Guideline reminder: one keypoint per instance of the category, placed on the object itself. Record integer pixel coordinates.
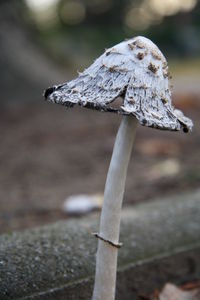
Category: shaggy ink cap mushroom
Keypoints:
(137, 71)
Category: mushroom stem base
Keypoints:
(106, 262)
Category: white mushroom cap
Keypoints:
(135, 70)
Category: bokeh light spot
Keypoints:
(99, 6)
(44, 12)
(73, 12)
(39, 5)
(171, 7)
(150, 12)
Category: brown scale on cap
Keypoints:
(165, 66)
(139, 44)
(166, 73)
(108, 53)
(164, 100)
(165, 70)
(131, 46)
(112, 69)
(111, 51)
(156, 55)
(131, 100)
(153, 68)
(140, 55)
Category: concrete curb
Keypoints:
(161, 243)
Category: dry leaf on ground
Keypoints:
(171, 292)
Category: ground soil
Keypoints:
(48, 153)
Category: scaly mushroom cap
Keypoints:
(137, 71)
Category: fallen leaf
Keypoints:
(191, 285)
(172, 292)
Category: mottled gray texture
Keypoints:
(135, 70)
(58, 261)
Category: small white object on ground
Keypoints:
(82, 204)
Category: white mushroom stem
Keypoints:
(106, 261)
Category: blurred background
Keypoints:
(48, 153)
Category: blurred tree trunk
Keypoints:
(25, 69)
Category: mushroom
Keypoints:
(137, 71)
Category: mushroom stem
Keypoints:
(106, 261)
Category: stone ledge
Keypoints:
(161, 243)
